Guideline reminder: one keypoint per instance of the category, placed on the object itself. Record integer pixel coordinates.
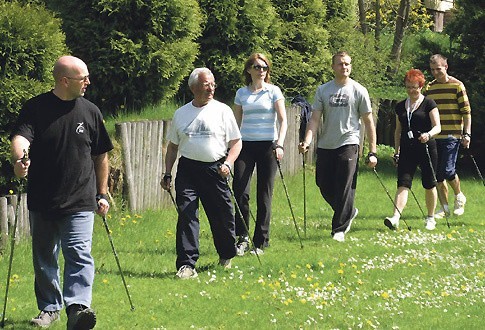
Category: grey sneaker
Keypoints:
(226, 263)
(81, 319)
(185, 272)
(45, 319)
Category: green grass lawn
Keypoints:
(376, 279)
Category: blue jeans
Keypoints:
(73, 234)
(447, 156)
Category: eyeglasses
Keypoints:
(84, 79)
(259, 67)
(211, 85)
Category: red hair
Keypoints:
(415, 76)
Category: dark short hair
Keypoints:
(249, 63)
(340, 54)
(438, 59)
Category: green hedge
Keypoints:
(31, 40)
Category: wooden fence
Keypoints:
(143, 145)
(8, 206)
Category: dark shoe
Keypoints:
(45, 319)
(81, 319)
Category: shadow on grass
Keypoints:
(151, 274)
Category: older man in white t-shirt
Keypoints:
(202, 131)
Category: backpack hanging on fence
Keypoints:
(305, 114)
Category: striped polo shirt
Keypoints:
(453, 105)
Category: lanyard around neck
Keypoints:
(409, 111)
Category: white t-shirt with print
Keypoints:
(203, 134)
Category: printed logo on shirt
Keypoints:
(339, 100)
(198, 129)
(80, 128)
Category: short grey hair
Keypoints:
(194, 76)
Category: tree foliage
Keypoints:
(467, 54)
(138, 51)
(31, 40)
(302, 56)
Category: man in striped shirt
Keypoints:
(455, 115)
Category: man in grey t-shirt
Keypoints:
(343, 102)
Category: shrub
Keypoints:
(30, 42)
(138, 51)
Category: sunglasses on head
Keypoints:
(259, 67)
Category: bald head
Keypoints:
(71, 78)
(68, 66)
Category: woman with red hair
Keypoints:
(417, 121)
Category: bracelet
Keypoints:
(277, 146)
(467, 134)
(228, 166)
(370, 154)
(100, 197)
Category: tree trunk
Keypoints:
(401, 24)
(362, 20)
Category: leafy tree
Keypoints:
(31, 40)
(138, 51)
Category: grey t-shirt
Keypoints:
(342, 107)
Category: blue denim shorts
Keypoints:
(447, 156)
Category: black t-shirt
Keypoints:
(63, 136)
(420, 120)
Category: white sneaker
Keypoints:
(430, 223)
(339, 237)
(351, 219)
(257, 251)
(440, 214)
(185, 272)
(460, 201)
(392, 222)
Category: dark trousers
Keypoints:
(336, 176)
(199, 180)
(261, 155)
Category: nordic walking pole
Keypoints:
(434, 179)
(476, 166)
(304, 195)
(12, 246)
(117, 261)
(305, 114)
(24, 160)
(289, 203)
(238, 210)
(392, 200)
(417, 202)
